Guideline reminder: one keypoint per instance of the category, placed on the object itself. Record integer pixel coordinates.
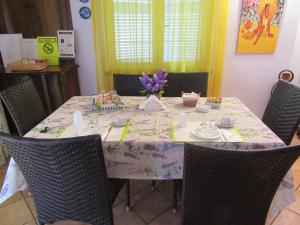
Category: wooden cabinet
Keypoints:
(35, 18)
(55, 84)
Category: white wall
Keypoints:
(251, 77)
(84, 42)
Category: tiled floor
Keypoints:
(148, 207)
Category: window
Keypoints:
(133, 30)
(134, 24)
(181, 29)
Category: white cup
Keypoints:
(77, 118)
(182, 120)
(226, 121)
(119, 122)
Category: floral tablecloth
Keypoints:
(148, 148)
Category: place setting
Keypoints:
(222, 130)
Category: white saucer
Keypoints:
(227, 126)
(204, 135)
(203, 108)
(119, 122)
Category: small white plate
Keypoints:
(119, 122)
(226, 126)
(203, 108)
(205, 135)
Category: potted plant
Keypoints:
(154, 85)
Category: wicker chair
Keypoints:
(130, 85)
(230, 186)
(187, 82)
(24, 105)
(282, 114)
(67, 177)
(127, 85)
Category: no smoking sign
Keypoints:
(48, 48)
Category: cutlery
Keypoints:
(108, 131)
(224, 137)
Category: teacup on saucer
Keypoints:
(119, 122)
(225, 122)
(203, 108)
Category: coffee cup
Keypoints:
(226, 121)
(77, 118)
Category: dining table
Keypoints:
(151, 144)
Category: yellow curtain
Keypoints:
(146, 35)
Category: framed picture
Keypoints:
(259, 26)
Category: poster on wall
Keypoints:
(259, 27)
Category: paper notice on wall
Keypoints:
(48, 49)
(66, 43)
(10, 47)
(29, 48)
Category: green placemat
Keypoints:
(172, 132)
(125, 131)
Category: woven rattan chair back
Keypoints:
(127, 85)
(231, 187)
(67, 177)
(130, 85)
(186, 82)
(24, 105)
(282, 114)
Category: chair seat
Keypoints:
(115, 186)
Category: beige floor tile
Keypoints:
(26, 193)
(2, 174)
(33, 222)
(12, 199)
(168, 218)
(296, 205)
(121, 217)
(296, 140)
(31, 204)
(296, 165)
(135, 187)
(296, 177)
(117, 202)
(166, 187)
(149, 204)
(287, 217)
(16, 213)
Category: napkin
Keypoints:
(152, 104)
(232, 135)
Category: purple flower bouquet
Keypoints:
(154, 85)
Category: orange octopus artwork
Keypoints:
(259, 28)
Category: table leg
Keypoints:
(153, 185)
(127, 200)
(175, 196)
